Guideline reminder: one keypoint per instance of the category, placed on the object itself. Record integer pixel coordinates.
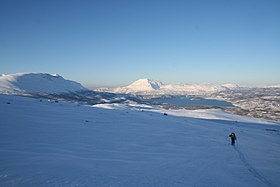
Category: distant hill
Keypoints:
(37, 83)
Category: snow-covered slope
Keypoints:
(148, 86)
(210, 114)
(37, 83)
(61, 144)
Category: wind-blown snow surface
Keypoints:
(37, 83)
(63, 144)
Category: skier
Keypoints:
(233, 138)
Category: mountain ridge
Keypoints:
(147, 86)
(37, 83)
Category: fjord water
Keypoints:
(183, 101)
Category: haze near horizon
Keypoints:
(113, 43)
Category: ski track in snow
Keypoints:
(251, 169)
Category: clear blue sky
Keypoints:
(109, 43)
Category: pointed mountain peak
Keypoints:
(144, 85)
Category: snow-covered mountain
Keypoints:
(145, 85)
(231, 86)
(193, 88)
(148, 86)
(139, 86)
(37, 83)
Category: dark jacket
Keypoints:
(233, 138)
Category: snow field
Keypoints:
(66, 144)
